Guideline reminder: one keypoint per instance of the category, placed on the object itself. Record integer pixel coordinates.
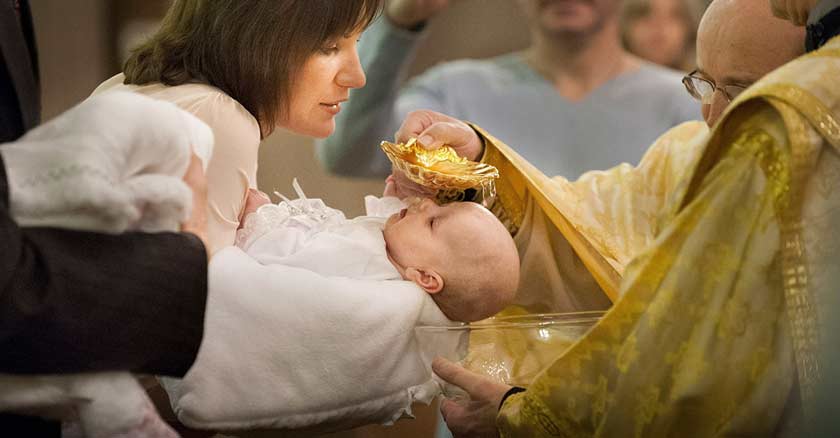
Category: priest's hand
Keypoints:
(795, 11)
(408, 14)
(433, 130)
(475, 417)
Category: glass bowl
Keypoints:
(508, 349)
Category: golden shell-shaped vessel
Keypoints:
(441, 169)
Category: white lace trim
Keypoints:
(304, 213)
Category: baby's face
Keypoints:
(425, 235)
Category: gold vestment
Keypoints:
(716, 252)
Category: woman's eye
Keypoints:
(329, 50)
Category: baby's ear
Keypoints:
(429, 280)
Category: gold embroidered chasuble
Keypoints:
(717, 251)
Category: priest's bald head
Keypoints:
(738, 42)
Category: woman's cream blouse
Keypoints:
(233, 166)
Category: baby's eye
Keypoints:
(432, 222)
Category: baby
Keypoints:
(458, 253)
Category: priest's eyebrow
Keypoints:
(728, 80)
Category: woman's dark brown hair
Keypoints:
(250, 49)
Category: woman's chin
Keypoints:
(319, 131)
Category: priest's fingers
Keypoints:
(418, 121)
(458, 135)
(433, 130)
(477, 386)
(470, 418)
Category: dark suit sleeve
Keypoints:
(823, 24)
(80, 302)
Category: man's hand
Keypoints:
(795, 11)
(433, 130)
(197, 222)
(408, 14)
(475, 417)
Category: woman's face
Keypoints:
(321, 85)
(660, 36)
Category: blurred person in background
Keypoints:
(565, 102)
(662, 31)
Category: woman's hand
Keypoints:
(397, 184)
(197, 181)
(253, 201)
(475, 417)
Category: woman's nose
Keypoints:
(351, 74)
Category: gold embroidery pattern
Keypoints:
(801, 308)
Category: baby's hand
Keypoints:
(397, 184)
(255, 200)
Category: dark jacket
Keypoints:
(71, 301)
(823, 24)
(20, 96)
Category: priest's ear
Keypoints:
(429, 280)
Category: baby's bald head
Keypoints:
(459, 253)
(483, 275)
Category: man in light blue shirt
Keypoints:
(573, 101)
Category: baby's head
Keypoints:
(459, 253)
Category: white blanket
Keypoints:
(110, 164)
(311, 327)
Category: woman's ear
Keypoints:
(429, 280)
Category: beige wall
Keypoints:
(73, 49)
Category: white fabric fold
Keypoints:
(309, 327)
(285, 347)
(111, 164)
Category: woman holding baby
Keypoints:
(247, 68)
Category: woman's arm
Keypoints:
(233, 167)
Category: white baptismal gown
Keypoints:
(305, 233)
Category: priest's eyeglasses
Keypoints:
(704, 89)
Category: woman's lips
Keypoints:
(332, 108)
